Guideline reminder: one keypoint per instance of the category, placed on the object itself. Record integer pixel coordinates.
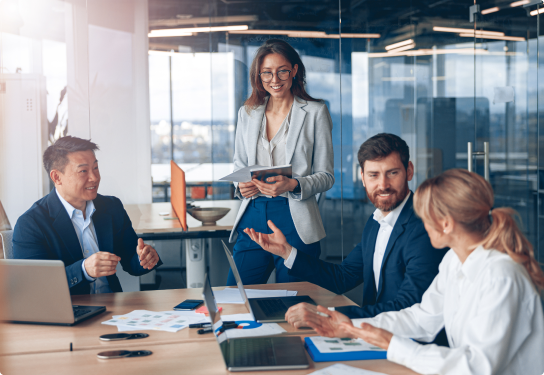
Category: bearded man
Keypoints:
(395, 259)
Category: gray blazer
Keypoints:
(308, 149)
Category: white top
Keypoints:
(87, 240)
(272, 153)
(386, 228)
(492, 314)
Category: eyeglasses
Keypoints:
(283, 75)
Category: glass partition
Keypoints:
(439, 74)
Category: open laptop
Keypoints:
(269, 309)
(254, 353)
(37, 292)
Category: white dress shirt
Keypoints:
(272, 153)
(492, 314)
(386, 228)
(86, 235)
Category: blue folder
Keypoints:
(317, 356)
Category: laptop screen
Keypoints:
(215, 317)
(238, 279)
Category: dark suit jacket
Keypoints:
(409, 265)
(45, 231)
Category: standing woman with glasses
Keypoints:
(280, 124)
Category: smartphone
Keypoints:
(189, 304)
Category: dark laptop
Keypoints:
(265, 310)
(37, 292)
(254, 353)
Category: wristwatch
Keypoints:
(297, 189)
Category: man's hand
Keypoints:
(328, 323)
(297, 315)
(148, 255)
(282, 184)
(248, 189)
(274, 243)
(101, 264)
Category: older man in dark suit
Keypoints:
(89, 232)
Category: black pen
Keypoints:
(205, 330)
(199, 325)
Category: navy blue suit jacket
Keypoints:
(46, 231)
(410, 264)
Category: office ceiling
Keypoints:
(395, 20)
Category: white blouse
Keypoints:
(272, 153)
(493, 318)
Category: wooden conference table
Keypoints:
(42, 349)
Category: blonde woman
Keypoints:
(485, 294)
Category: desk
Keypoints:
(31, 338)
(149, 225)
(203, 358)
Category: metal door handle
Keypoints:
(485, 153)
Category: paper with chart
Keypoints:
(232, 295)
(341, 369)
(247, 327)
(169, 321)
(338, 345)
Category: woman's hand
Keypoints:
(325, 322)
(248, 189)
(374, 336)
(275, 243)
(282, 184)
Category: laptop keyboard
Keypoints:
(272, 307)
(252, 352)
(79, 312)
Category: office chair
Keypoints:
(6, 238)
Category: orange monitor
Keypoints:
(177, 193)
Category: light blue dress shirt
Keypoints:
(87, 239)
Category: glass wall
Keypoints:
(440, 74)
(156, 80)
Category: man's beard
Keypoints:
(395, 198)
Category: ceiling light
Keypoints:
(188, 20)
(496, 37)
(536, 11)
(519, 3)
(456, 30)
(304, 34)
(399, 44)
(403, 48)
(490, 10)
(189, 31)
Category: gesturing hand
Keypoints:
(335, 325)
(373, 335)
(282, 184)
(248, 189)
(274, 243)
(148, 255)
(101, 264)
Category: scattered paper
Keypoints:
(169, 321)
(341, 369)
(232, 295)
(338, 345)
(264, 329)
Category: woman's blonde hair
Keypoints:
(468, 199)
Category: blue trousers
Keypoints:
(255, 264)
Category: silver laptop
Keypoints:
(37, 292)
(254, 353)
(269, 309)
